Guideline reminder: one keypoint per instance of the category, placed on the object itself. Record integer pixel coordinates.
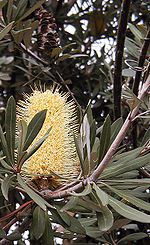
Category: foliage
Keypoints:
(112, 190)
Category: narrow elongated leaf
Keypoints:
(87, 221)
(34, 127)
(79, 148)
(67, 221)
(115, 128)
(134, 237)
(2, 233)
(5, 146)
(9, 10)
(92, 133)
(22, 131)
(85, 192)
(37, 145)
(105, 219)
(89, 205)
(48, 235)
(128, 212)
(103, 197)
(6, 183)
(146, 137)
(10, 126)
(14, 236)
(21, 6)
(38, 225)
(7, 28)
(34, 196)
(131, 199)
(3, 3)
(105, 138)
(86, 135)
(31, 10)
(127, 167)
(136, 32)
(93, 232)
(70, 204)
(5, 165)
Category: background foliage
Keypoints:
(79, 54)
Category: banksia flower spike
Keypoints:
(58, 152)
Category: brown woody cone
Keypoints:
(47, 37)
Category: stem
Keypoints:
(141, 61)
(119, 55)
(34, 56)
(137, 80)
(47, 194)
(114, 146)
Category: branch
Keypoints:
(33, 55)
(141, 61)
(22, 228)
(47, 194)
(114, 146)
(119, 55)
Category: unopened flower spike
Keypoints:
(58, 152)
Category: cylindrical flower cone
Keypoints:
(58, 153)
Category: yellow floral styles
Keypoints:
(58, 153)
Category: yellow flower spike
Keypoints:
(58, 153)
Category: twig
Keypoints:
(138, 78)
(119, 55)
(47, 194)
(23, 227)
(33, 55)
(141, 61)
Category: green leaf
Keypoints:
(85, 192)
(2, 233)
(38, 224)
(5, 165)
(34, 196)
(103, 197)
(14, 236)
(34, 127)
(6, 183)
(127, 211)
(9, 10)
(70, 204)
(85, 132)
(131, 199)
(70, 223)
(126, 167)
(10, 126)
(48, 235)
(5, 146)
(7, 28)
(115, 128)
(37, 145)
(31, 10)
(105, 138)
(89, 205)
(92, 133)
(146, 137)
(87, 221)
(79, 148)
(134, 237)
(93, 232)
(136, 32)
(22, 131)
(21, 6)
(3, 3)
(105, 219)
